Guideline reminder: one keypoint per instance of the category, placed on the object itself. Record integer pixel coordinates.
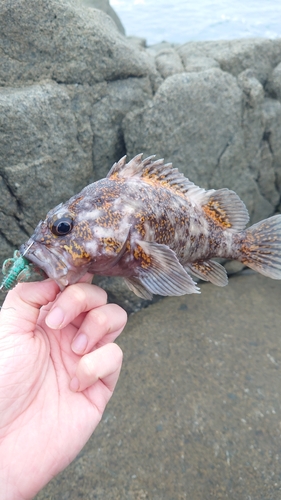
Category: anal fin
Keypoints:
(209, 271)
(138, 288)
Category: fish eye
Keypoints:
(62, 226)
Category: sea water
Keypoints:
(181, 21)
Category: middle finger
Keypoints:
(74, 300)
(100, 326)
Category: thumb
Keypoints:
(22, 305)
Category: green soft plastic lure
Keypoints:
(15, 270)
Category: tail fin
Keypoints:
(262, 247)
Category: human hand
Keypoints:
(58, 369)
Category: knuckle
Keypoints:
(119, 313)
(122, 314)
(77, 293)
(100, 318)
(87, 366)
(102, 292)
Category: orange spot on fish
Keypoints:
(140, 255)
(217, 213)
(77, 252)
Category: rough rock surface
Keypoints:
(106, 7)
(42, 160)
(196, 413)
(76, 95)
(234, 56)
(65, 42)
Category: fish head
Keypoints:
(58, 245)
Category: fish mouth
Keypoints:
(52, 262)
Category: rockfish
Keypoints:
(149, 224)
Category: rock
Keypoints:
(233, 171)
(106, 120)
(272, 134)
(119, 293)
(58, 40)
(183, 122)
(106, 7)
(252, 121)
(199, 64)
(139, 42)
(168, 62)
(44, 164)
(194, 58)
(273, 85)
(159, 47)
(267, 175)
(47, 128)
(235, 56)
(233, 267)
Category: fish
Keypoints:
(149, 224)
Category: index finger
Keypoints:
(22, 305)
(74, 300)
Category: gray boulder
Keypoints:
(168, 62)
(235, 56)
(44, 162)
(106, 7)
(106, 119)
(217, 129)
(64, 42)
(182, 122)
(50, 130)
(272, 134)
(274, 83)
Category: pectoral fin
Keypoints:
(160, 272)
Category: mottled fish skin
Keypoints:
(149, 224)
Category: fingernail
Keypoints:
(74, 384)
(55, 318)
(80, 343)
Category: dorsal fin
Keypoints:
(156, 171)
(222, 206)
